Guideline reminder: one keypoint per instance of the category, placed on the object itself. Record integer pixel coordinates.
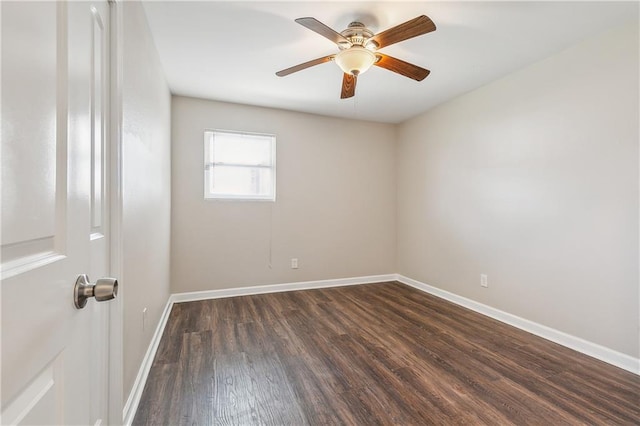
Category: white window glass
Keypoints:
(239, 165)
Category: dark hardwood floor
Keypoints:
(366, 355)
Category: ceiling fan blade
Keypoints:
(305, 65)
(413, 28)
(314, 25)
(401, 67)
(348, 86)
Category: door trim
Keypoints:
(116, 331)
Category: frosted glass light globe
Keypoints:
(355, 60)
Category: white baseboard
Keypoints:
(131, 406)
(602, 353)
(277, 288)
(594, 350)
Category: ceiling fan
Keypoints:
(359, 50)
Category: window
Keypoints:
(239, 165)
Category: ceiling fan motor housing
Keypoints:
(358, 35)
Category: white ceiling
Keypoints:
(230, 51)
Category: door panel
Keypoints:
(98, 107)
(54, 86)
(31, 177)
(38, 400)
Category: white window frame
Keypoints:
(209, 165)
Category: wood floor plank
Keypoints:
(192, 389)
(154, 404)
(370, 354)
(253, 389)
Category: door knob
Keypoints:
(103, 289)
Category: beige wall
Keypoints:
(335, 206)
(533, 180)
(146, 188)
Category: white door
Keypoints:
(54, 211)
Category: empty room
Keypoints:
(320, 213)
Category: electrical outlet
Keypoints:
(144, 320)
(294, 263)
(484, 281)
